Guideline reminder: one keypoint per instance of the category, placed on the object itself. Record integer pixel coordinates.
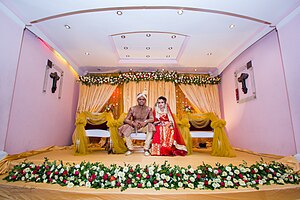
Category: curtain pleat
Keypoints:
(93, 98)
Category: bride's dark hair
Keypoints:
(162, 98)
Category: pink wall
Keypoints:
(40, 119)
(264, 124)
(10, 40)
(289, 35)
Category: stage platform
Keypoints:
(22, 190)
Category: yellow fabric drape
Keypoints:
(5, 163)
(80, 139)
(184, 128)
(221, 145)
(154, 90)
(204, 98)
(92, 98)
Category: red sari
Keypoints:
(167, 140)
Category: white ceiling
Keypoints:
(150, 35)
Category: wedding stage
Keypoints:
(31, 190)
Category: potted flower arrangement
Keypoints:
(109, 107)
(187, 108)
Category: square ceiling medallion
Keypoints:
(150, 46)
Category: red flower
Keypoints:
(147, 177)
(178, 175)
(155, 181)
(206, 183)
(139, 185)
(222, 184)
(76, 173)
(253, 171)
(65, 173)
(118, 184)
(128, 181)
(138, 175)
(37, 167)
(34, 172)
(171, 174)
(131, 170)
(13, 177)
(56, 172)
(241, 175)
(65, 181)
(105, 176)
(198, 176)
(48, 173)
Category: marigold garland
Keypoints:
(97, 175)
(149, 76)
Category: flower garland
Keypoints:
(96, 175)
(149, 76)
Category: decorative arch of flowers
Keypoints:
(168, 76)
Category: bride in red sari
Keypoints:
(167, 140)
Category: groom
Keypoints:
(139, 118)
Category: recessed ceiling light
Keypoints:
(180, 12)
(123, 36)
(231, 26)
(148, 35)
(119, 12)
(173, 36)
(168, 56)
(125, 48)
(148, 56)
(195, 70)
(87, 53)
(170, 48)
(209, 54)
(127, 56)
(99, 69)
(67, 26)
(130, 69)
(148, 48)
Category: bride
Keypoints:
(167, 140)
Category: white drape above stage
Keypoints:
(154, 90)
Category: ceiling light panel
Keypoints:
(150, 45)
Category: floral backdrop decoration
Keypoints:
(168, 76)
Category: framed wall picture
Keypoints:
(244, 83)
(53, 79)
